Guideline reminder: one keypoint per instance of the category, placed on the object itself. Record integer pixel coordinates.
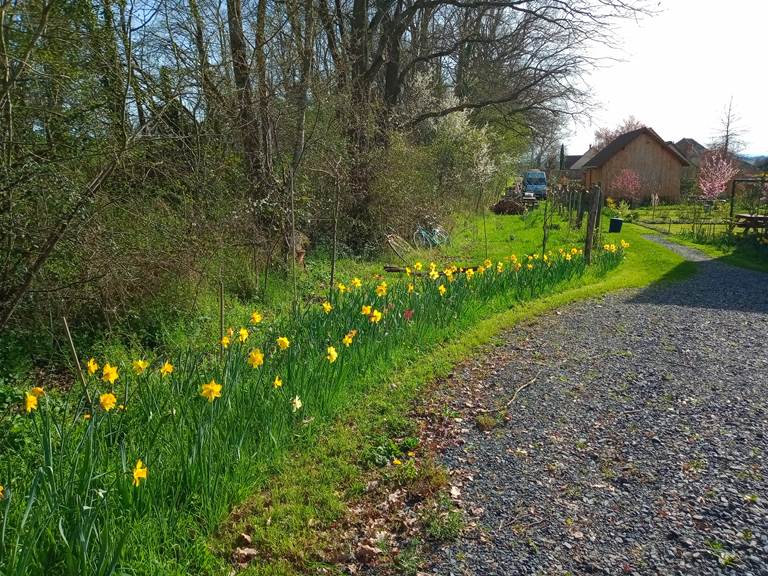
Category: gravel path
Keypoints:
(639, 448)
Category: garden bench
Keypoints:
(751, 221)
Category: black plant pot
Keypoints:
(615, 225)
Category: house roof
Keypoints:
(694, 151)
(621, 142)
(691, 149)
(586, 157)
(570, 160)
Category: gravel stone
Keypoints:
(640, 447)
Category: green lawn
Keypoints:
(291, 499)
(291, 515)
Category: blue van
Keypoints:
(535, 182)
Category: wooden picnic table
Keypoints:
(754, 221)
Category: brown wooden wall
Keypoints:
(659, 170)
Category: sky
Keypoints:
(680, 68)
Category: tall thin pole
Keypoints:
(77, 361)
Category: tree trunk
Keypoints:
(247, 123)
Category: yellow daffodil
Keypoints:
(481, 270)
(434, 274)
(37, 391)
(530, 266)
(347, 340)
(256, 358)
(30, 402)
(432, 266)
(166, 369)
(327, 307)
(121, 407)
(411, 288)
(109, 374)
(256, 317)
(624, 244)
(408, 271)
(296, 403)
(396, 462)
(283, 343)
(365, 310)
(107, 401)
(411, 454)
(243, 334)
(225, 341)
(341, 288)
(211, 391)
(375, 317)
(356, 282)
(381, 289)
(518, 266)
(230, 331)
(568, 257)
(2, 492)
(86, 416)
(332, 354)
(139, 366)
(469, 273)
(92, 366)
(277, 383)
(574, 251)
(499, 267)
(417, 266)
(139, 473)
(487, 263)
(442, 289)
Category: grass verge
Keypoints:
(743, 256)
(290, 518)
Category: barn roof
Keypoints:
(620, 142)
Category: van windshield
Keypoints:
(538, 181)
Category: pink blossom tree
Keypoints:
(626, 184)
(715, 172)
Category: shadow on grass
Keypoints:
(752, 255)
(714, 285)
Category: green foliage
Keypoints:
(445, 521)
(74, 482)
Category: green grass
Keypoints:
(328, 475)
(735, 247)
(741, 254)
(69, 489)
(298, 478)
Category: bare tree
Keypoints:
(604, 136)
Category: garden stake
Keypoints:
(221, 318)
(77, 361)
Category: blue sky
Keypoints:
(679, 69)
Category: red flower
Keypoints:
(408, 315)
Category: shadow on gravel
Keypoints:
(715, 285)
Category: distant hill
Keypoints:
(761, 160)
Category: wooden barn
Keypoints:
(658, 164)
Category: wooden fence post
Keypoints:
(594, 210)
(599, 217)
